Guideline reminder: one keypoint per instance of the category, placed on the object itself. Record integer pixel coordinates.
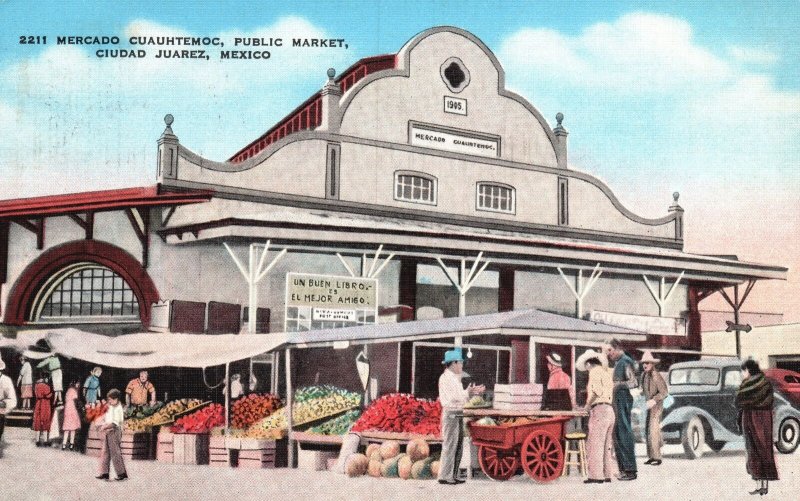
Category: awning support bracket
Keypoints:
(464, 282)
(662, 298)
(140, 222)
(36, 227)
(578, 289)
(253, 274)
(86, 224)
(372, 271)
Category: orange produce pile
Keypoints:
(253, 407)
(95, 410)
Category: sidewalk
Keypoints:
(31, 473)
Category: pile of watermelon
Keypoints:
(402, 413)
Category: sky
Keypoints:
(700, 98)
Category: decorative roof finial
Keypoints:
(168, 119)
(331, 73)
(676, 196)
(559, 118)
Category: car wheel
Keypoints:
(693, 437)
(716, 445)
(788, 436)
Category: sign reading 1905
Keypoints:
(455, 105)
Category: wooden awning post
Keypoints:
(464, 283)
(253, 274)
(289, 403)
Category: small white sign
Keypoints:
(331, 315)
(454, 141)
(661, 326)
(455, 105)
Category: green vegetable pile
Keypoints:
(338, 425)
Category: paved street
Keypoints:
(30, 473)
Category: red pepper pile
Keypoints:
(94, 410)
(247, 410)
(402, 413)
(201, 421)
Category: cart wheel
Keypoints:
(542, 456)
(498, 464)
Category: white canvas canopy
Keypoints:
(147, 350)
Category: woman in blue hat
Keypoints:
(453, 397)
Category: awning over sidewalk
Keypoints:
(510, 323)
(147, 350)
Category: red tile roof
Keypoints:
(53, 205)
(308, 116)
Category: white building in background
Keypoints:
(423, 152)
(772, 346)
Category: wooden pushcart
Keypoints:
(536, 444)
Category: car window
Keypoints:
(694, 375)
(733, 379)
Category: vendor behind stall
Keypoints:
(559, 384)
(453, 397)
(138, 389)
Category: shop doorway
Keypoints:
(489, 365)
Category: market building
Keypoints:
(417, 172)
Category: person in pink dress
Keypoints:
(72, 419)
(43, 410)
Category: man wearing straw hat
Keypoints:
(654, 389)
(8, 397)
(599, 394)
(453, 397)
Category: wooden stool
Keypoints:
(575, 456)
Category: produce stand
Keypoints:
(190, 448)
(315, 451)
(165, 446)
(183, 413)
(536, 445)
(368, 437)
(257, 453)
(134, 445)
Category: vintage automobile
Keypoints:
(787, 382)
(703, 408)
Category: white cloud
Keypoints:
(638, 51)
(92, 122)
(753, 55)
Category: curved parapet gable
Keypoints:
(415, 91)
(443, 111)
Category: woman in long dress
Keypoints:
(754, 400)
(42, 411)
(72, 418)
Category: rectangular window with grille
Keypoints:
(415, 188)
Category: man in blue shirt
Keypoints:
(624, 381)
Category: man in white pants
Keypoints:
(453, 397)
(8, 397)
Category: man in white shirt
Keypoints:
(453, 397)
(8, 397)
(111, 437)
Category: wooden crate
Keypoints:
(315, 459)
(93, 444)
(190, 448)
(165, 447)
(135, 446)
(260, 453)
(138, 445)
(218, 453)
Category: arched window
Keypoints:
(495, 197)
(85, 292)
